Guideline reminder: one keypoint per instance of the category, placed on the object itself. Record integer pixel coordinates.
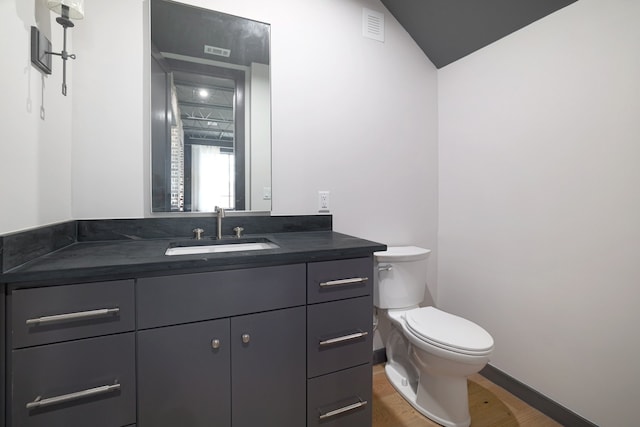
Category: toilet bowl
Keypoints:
(430, 352)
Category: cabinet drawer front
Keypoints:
(341, 399)
(172, 300)
(89, 382)
(339, 335)
(61, 313)
(333, 280)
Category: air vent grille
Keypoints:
(218, 51)
(373, 24)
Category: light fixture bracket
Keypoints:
(40, 48)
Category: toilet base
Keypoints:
(456, 389)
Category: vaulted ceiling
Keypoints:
(447, 30)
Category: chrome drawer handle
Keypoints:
(344, 409)
(344, 281)
(344, 338)
(73, 316)
(40, 402)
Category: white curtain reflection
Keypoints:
(212, 178)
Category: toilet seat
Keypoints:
(448, 331)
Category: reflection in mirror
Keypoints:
(210, 110)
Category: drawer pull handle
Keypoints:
(73, 316)
(39, 402)
(344, 409)
(344, 282)
(344, 338)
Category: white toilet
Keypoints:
(430, 352)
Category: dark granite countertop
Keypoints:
(119, 259)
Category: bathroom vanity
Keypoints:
(115, 333)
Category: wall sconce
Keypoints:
(41, 46)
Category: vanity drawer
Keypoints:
(89, 382)
(339, 335)
(333, 280)
(341, 399)
(172, 300)
(60, 313)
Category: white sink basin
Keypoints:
(210, 249)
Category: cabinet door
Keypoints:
(269, 369)
(183, 379)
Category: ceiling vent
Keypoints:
(373, 24)
(218, 51)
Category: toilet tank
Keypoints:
(401, 278)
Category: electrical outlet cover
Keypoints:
(323, 201)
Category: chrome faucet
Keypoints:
(219, 215)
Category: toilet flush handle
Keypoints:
(387, 267)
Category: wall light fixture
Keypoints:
(40, 45)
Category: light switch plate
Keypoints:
(39, 46)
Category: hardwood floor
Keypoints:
(489, 404)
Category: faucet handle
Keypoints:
(238, 231)
(197, 233)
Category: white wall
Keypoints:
(35, 153)
(539, 234)
(109, 121)
(258, 157)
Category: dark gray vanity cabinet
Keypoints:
(339, 342)
(223, 348)
(285, 345)
(72, 361)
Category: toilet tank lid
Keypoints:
(401, 253)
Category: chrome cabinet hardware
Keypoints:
(215, 343)
(73, 316)
(246, 338)
(387, 267)
(351, 281)
(39, 402)
(342, 410)
(344, 338)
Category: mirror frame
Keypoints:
(160, 200)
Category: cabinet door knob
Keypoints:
(246, 338)
(215, 343)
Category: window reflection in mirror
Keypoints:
(210, 110)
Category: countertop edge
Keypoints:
(336, 246)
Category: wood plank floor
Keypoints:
(489, 405)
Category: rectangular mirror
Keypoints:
(210, 110)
